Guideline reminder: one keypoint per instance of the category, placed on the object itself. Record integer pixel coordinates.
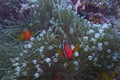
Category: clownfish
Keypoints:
(67, 52)
(26, 35)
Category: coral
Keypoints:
(97, 50)
(97, 56)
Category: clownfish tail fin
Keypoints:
(21, 36)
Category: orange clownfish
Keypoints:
(67, 52)
(26, 35)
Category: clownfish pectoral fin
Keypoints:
(60, 53)
(76, 48)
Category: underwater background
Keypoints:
(59, 39)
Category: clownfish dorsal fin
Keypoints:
(21, 36)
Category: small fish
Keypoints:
(26, 35)
(67, 52)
